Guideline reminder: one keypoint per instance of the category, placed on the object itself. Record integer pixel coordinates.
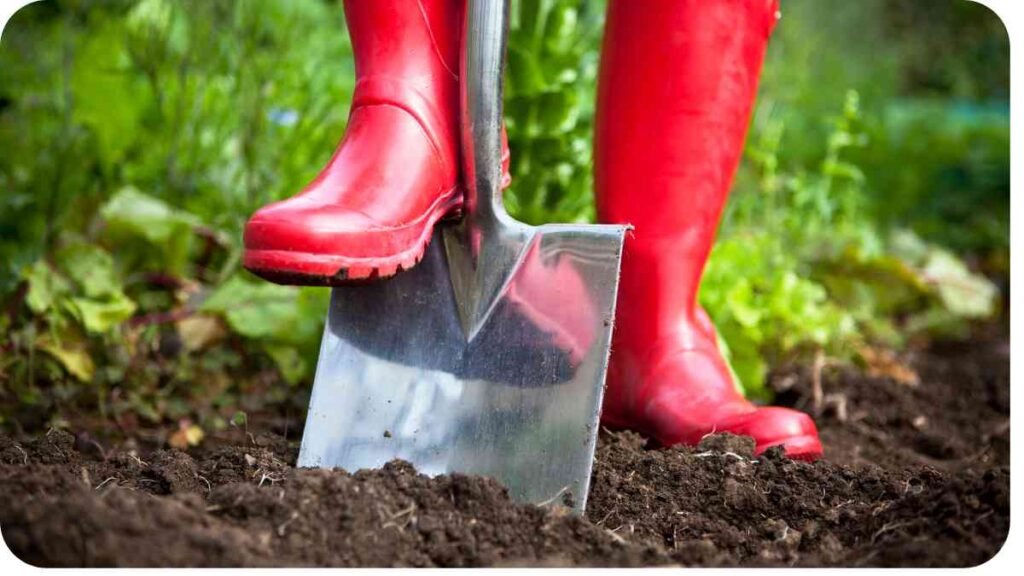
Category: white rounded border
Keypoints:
(1011, 12)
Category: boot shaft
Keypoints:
(677, 84)
(406, 39)
(407, 57)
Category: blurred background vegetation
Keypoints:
(871, 211)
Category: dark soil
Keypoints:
(913, 476)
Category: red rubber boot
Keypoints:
(678, 80)
(371, 211)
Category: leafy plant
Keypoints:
(173, 120)
(285, 322)
(549, 104)
(800, 267)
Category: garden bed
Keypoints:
(914, 475)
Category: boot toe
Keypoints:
(774, 426)
(691, 394)
(371, 211)
(301, 225)
(302, 241)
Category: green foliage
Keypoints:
(138, 137)
(97, 309)
(800, 266)
(144, 226)
(933, 78)
(764, 308)
(957, 192)
(213, 106)
(82, 289)
(286, 322)
(549, 102)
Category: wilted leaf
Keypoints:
(963, 293)
(883, 363)
(194, 435)
(72, 355)
(200, 331)
(186, 435)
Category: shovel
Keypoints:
(489, 356)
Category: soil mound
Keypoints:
(914, 475)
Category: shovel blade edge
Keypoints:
(519, 400)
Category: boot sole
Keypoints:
(806, 447)
(291, 267)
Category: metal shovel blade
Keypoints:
(488, 357)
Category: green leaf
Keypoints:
(108, 99)
(98, 317)
(289, 361)
(91, 267)
(742, 305)
(938, 322)
(132, 216)
(750, 371)
(72, 355)
(557, 112)
(840, 169)
(287, 321)
(262, 310)
(255, 311)
(240, 418)
(45, 287)
(150, 17)
(146, 216)
(560, 28)
(527, 72)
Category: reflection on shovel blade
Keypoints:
(517, 398)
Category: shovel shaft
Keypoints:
(481, 95)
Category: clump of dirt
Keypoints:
(244, 506)
(913, 476)
(715, 506)
(957, 416)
